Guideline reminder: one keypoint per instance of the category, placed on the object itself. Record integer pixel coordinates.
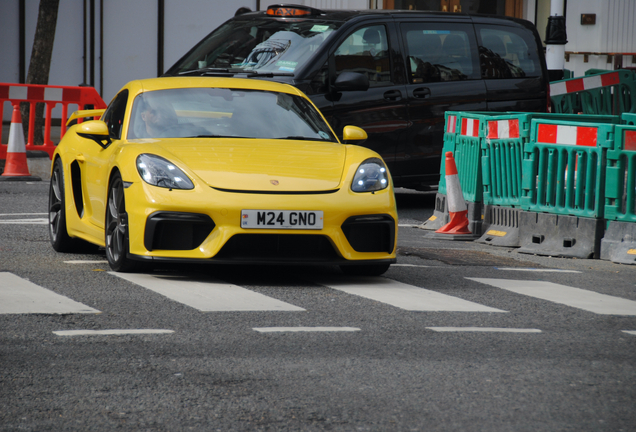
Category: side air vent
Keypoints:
(176, 231)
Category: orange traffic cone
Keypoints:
(16, 167)
(457, 209)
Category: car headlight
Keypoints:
(158, 171)
(371, 175)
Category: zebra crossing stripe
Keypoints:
(110, 332)
(19, 296)
(590, 301)
(304, 329)
(207, 294)
(402, 295)
(483, 329)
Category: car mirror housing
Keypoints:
(353, 135)
(95, 130)
(351, 81)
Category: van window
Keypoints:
(439, 54)
(366, 51)
(506, 53)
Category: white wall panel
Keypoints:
(130, 43)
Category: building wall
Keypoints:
(614, 32)
(130, 35)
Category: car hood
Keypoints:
(262, 165)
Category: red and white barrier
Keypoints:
(50, 96)
(503, 129)
(586, 83)
(451, 125)
(567, 135)
(470, 127)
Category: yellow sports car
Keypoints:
(220, 170)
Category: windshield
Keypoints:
(258, 44)
(222, 112)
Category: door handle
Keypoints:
(422, 92)
(80, 157)
(393, 95)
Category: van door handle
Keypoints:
(393, 95)
(422, 92)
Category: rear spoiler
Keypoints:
(84, 114)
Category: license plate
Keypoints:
(281, 219)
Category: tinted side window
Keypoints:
(366, 51)
(437, 52)
(114, 115)
(507, 52)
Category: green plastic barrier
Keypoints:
(612, 92)
(502, 152)
(564, 168)
(628, 119)
(465, 143)
(620, 185)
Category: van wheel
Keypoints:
(365, 270)
(116, 233)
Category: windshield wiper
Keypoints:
(208, 71)
(224, 72)
(294, 137)
(211, 136)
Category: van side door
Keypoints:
(443, 74)
(380, 110)
(512, 65)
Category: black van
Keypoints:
(393, 73)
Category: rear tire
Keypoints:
(116, 233)
(365, 270)
(60, 240)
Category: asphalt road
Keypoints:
(456, 337)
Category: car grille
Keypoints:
(278, 247)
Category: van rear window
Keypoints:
(507, 53)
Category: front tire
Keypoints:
(365, 270)
(116, 233)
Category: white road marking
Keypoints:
(403, 296)
(538, 270)
(483, 329)
(207, 295)
(36, 221)
(631, 332)
(305, 329)
(575, 297)
(110, 332)
(86, 262)
(19, 296)
(24, 214)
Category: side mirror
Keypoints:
(351, 81)
(353, 135)
(95, 130)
